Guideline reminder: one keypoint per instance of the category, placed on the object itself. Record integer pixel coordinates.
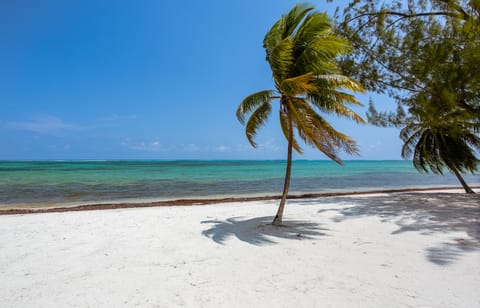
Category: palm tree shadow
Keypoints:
(259, 231)
(426, 213)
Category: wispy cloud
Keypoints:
(266, 146)
(152, 146)
(157, 146)
(222, 148)
(43, 125)
(269, 145)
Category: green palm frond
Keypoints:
(330, 100)
(472, 140)
(343, 111)
(282, 59)
(319, 56)
(325, 99)
(339, 81)
(285, 27)
(298, 85)
(410, 136)
(316, 131)
(314, 26)
(273, 37)
(251, 102)
(426, 154)
(345, 98)
(294, 17)
(457, 147)
(333, 102)
(256, 120)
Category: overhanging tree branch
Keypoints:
(403, 15)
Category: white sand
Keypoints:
(399, 250)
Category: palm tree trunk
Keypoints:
(277, 221)
(467, 188)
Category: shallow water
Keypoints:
(46, 183)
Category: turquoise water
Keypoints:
(42, 183)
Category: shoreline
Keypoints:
(205, 201)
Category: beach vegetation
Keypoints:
(436, 145)
(425, 55)
(302, 51)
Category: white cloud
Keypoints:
(139, 145)
(222, 148)
(43, 125)
(269, 145)
(190, 147)
(157, 146)
(215, 148)
(152, 146)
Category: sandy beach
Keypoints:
(410, 249)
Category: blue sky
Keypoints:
(145, 80)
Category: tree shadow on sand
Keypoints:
(259, 231)
(423, 212)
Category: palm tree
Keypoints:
(302, 50)
(440, 138)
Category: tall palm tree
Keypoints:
(302, 50)
(441, 138)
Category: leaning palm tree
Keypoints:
(441, 138)
(302, 51)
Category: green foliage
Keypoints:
(438, 139)
(303, 51)
(403, 47)
(426, 55)
(251, 102)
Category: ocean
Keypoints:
(55, 183)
